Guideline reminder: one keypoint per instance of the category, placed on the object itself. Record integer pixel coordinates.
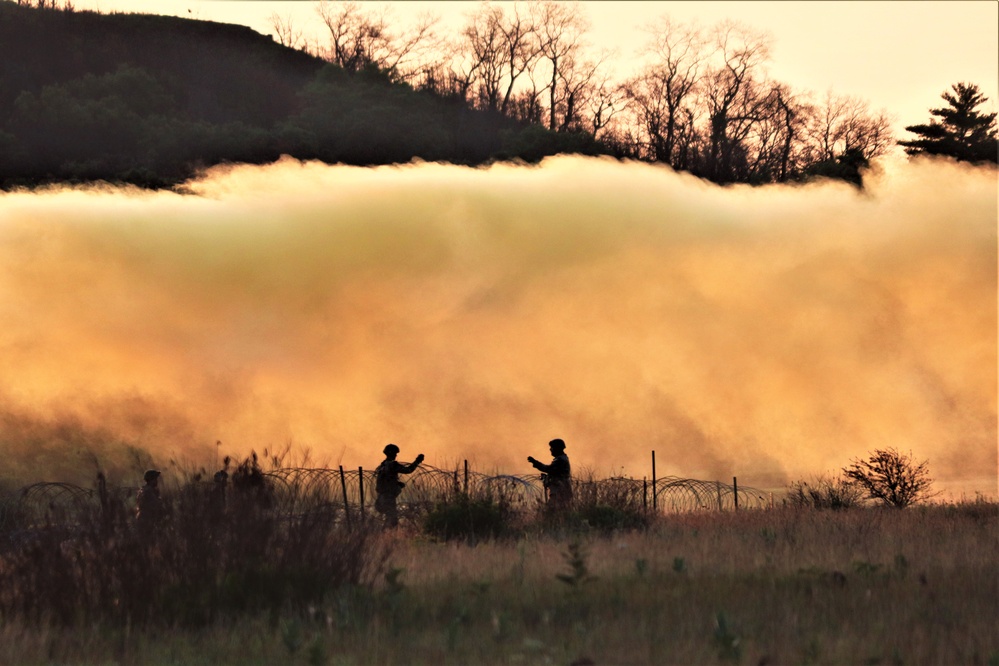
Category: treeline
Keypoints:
(152, 99)
(702, 100)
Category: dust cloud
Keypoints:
(770, 333)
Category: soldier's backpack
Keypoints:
(385, 481)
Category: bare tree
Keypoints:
(825, 131)
(449, 75)
(511, 59)
(842, 124)
(352, 34)
(869, 133)
(287, 33)
(500, 48)
(560, 27)
(579, 81)
(605, 101)
(359, 38)
(775, 143)
(893, 478)
(526, 106)
(661, 91)
(521, 50)
(789, 120)
(482, 42)
(730, 96)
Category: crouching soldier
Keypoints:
(556, 477)
(387, 483)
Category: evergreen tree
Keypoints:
(962, 132)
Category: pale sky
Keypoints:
(898, 56)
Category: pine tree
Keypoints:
(962, 132)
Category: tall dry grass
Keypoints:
(788, 585)
(211, 557)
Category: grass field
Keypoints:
(775, 586)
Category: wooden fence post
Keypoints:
(655, 504)
(466, 477)
(343, 486)
(360, 487)
(645, 494)
(735, 492)
(718, 489)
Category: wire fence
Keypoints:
(56, 503)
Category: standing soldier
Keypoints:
(387, 483)
(216, 497)
(149, 510)
(556, 477)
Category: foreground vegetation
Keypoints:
(279, 576)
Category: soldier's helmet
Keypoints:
(150, 475)
(557, 445)
(390, 448)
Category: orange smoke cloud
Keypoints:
(768, 333)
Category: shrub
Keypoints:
(607, 518)
(469, 518)
(824, 493)
(606, 506)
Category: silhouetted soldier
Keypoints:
(387, 483)
(149, 509)
(556, 477)
(216, 497)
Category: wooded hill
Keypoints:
(150, 100)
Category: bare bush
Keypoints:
(824, 493)
(892, 477)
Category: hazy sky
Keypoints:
(898, 56)
(770, 333)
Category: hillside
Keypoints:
(151, 99)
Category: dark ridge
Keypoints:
(225, 72)
(153, 100)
